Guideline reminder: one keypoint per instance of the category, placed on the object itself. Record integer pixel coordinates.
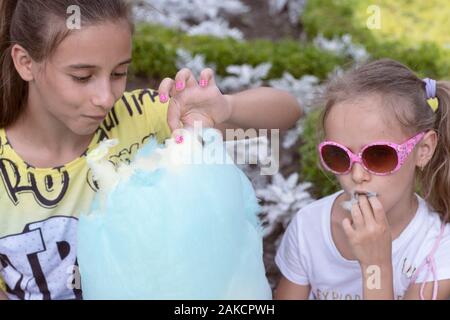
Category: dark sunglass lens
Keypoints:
(335, 158)
(380, 159)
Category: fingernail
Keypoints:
(203, 83)
(162, 98)
(179, 85)
(179, 139)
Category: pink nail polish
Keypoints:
(162, 98)
(179, 139)
(203, 83)
(179, 85)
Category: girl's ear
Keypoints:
(22, 62)
(426, 148)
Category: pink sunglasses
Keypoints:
(379, 158)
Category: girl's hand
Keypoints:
(192, 101)
(369, 235)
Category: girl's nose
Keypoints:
(104, 97)
(359, 174)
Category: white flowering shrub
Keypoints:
(244, 76)
(305, 90)
(192, 16)
(241, 77)
(195, 63)
(342, 46)
(291, 136)
(282, 199)
(294, 7)
(218, 28)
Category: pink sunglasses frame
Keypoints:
(403, 150)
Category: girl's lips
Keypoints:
(347, 205)
(98, 118)
(364, 193)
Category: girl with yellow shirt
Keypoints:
(62, 92)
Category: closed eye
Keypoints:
(120, 75)
(86, 79)
(81, 79)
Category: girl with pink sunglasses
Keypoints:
(386, 134)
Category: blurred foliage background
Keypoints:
(413, 32)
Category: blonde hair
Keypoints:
(397, 83)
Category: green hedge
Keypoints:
(154, 54)
(324, 183)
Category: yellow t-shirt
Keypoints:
(39, 208)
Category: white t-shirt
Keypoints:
(308, 255)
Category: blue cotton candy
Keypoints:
(189, 233)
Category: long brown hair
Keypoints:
(39, 26)
(405, 96)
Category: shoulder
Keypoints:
(431, 224)
(434, 238)
(442, 242)
(434, 257)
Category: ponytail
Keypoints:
(13, 89)
(435, 178)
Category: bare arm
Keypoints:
(377, 282)
(263, 108)
(287, 290)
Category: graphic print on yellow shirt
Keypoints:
(39, 207)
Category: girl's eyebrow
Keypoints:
(88, 66)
